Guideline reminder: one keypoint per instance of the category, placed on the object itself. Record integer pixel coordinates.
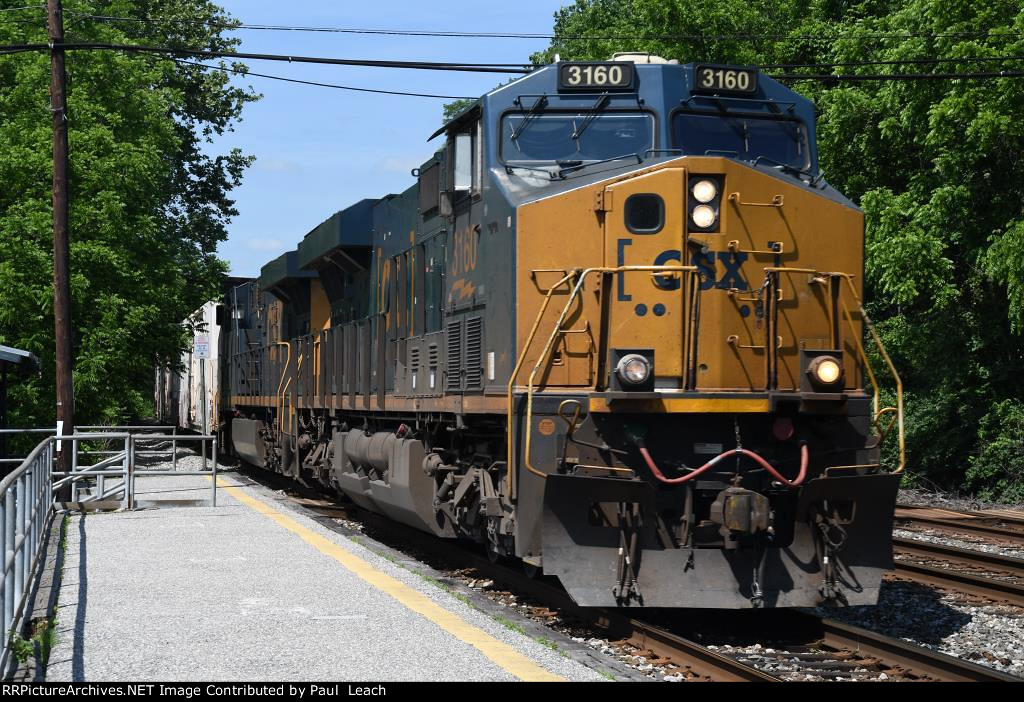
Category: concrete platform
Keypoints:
(252, 590)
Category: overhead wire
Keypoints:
(314, 83)
(323, 60)
(856, 77)
(537, 35)
(893, 62)
(502, 68)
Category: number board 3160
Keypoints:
(610, 75)
(725, 79)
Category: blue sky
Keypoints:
(318, 149)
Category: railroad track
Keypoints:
(989, 575)
(1001, 525)
(821, 649)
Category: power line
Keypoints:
(515, 35)
(895, 62)
(897, 76)
(485, 68)
(23, 7)
(315, 83)
(207, 53)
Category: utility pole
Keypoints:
(61, 250)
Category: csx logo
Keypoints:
(708, 266)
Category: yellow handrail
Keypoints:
(510, 483)
(277, 396)
(892, 369)
(848, 277)
(656, 270)
(582, 276)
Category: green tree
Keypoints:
(450, 109)
(934, 164)
(149, 199)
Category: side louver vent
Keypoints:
(453, 356)
(433, 358)
(474, 353)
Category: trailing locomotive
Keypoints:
(613, 330)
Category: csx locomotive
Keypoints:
(613, 331)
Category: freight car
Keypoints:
(613, 330)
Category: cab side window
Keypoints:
(466, 159)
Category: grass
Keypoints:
(509, 624)
(44, 629)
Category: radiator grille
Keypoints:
(453, 356)
(474, 353)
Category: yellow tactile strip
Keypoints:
(497, 651)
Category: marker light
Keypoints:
(703, 216)
(704, 191)
(633, 369)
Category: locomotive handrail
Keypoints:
(581, 276)
(574, 293)
(519, 364)
(892, 369)
(278, 397)
(848, 277)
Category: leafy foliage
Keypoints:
(450, 109)
(997, 470)
(149, 202)
(934, 165)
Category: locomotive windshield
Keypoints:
(555, 138)
(779, 141)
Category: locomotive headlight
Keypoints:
(704, 191)
(703, 216)
(825, 370)
(633, 369)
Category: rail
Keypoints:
(26, 507)
(771, 362)
(27, 497)
(92, 428)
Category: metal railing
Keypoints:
(123, 465)
(93, 428)
(14, 432)
(27, 497)
(26, 506)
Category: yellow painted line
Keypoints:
(682, 405)
(501, 653)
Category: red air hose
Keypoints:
(732, 452)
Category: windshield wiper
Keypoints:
(569, 169)
(538, 106)
(724, 152)
(511, 170)
(594, 111)
(784, 166)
